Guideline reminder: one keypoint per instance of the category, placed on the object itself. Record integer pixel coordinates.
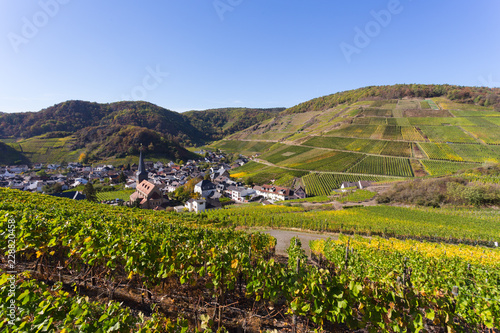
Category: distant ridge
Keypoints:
(481, 96)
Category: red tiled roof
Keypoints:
(145, 187)
(275, 189)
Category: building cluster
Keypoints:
(25, 178)
(153, 182)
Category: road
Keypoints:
(283, 238)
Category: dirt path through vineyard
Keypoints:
(283, 238)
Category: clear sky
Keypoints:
(200, 54)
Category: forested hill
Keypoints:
(118, 129)
(218, 123)
(194, 127)
(481, 96)
(72, 116)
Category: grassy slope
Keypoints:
(426, 131)
(9, 155)
(48, 150)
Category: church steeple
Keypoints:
(141, 173)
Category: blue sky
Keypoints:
(200, 54)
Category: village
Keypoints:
(156, 184)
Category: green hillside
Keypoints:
(362, 132)
(115, 131)
(388, 131)
(218, 123)
(9, 155)
(45, 149)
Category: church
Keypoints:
(147, 193)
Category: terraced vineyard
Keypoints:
(439, 151)
(376, 112)
(410, 133)
(389, 166)
(284, 153)
(491, 135)
(48, 149)
(439, 121)
(371, 121)
(446, 134)
(262, 174)
(354, 131)
(243, 147)
(476, 153)
(107, 196)
(473, 111)
(432, 104)
(385, 134)
(402, 149)
(339, 162)
(355, 145)
(321, 184)
(436, 168)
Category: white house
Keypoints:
(79, 181)
(172, 186)
(241, 194)
(195, 205)
(35, 186)
(205, 188)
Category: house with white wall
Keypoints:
(196, 206)
(274, 193)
